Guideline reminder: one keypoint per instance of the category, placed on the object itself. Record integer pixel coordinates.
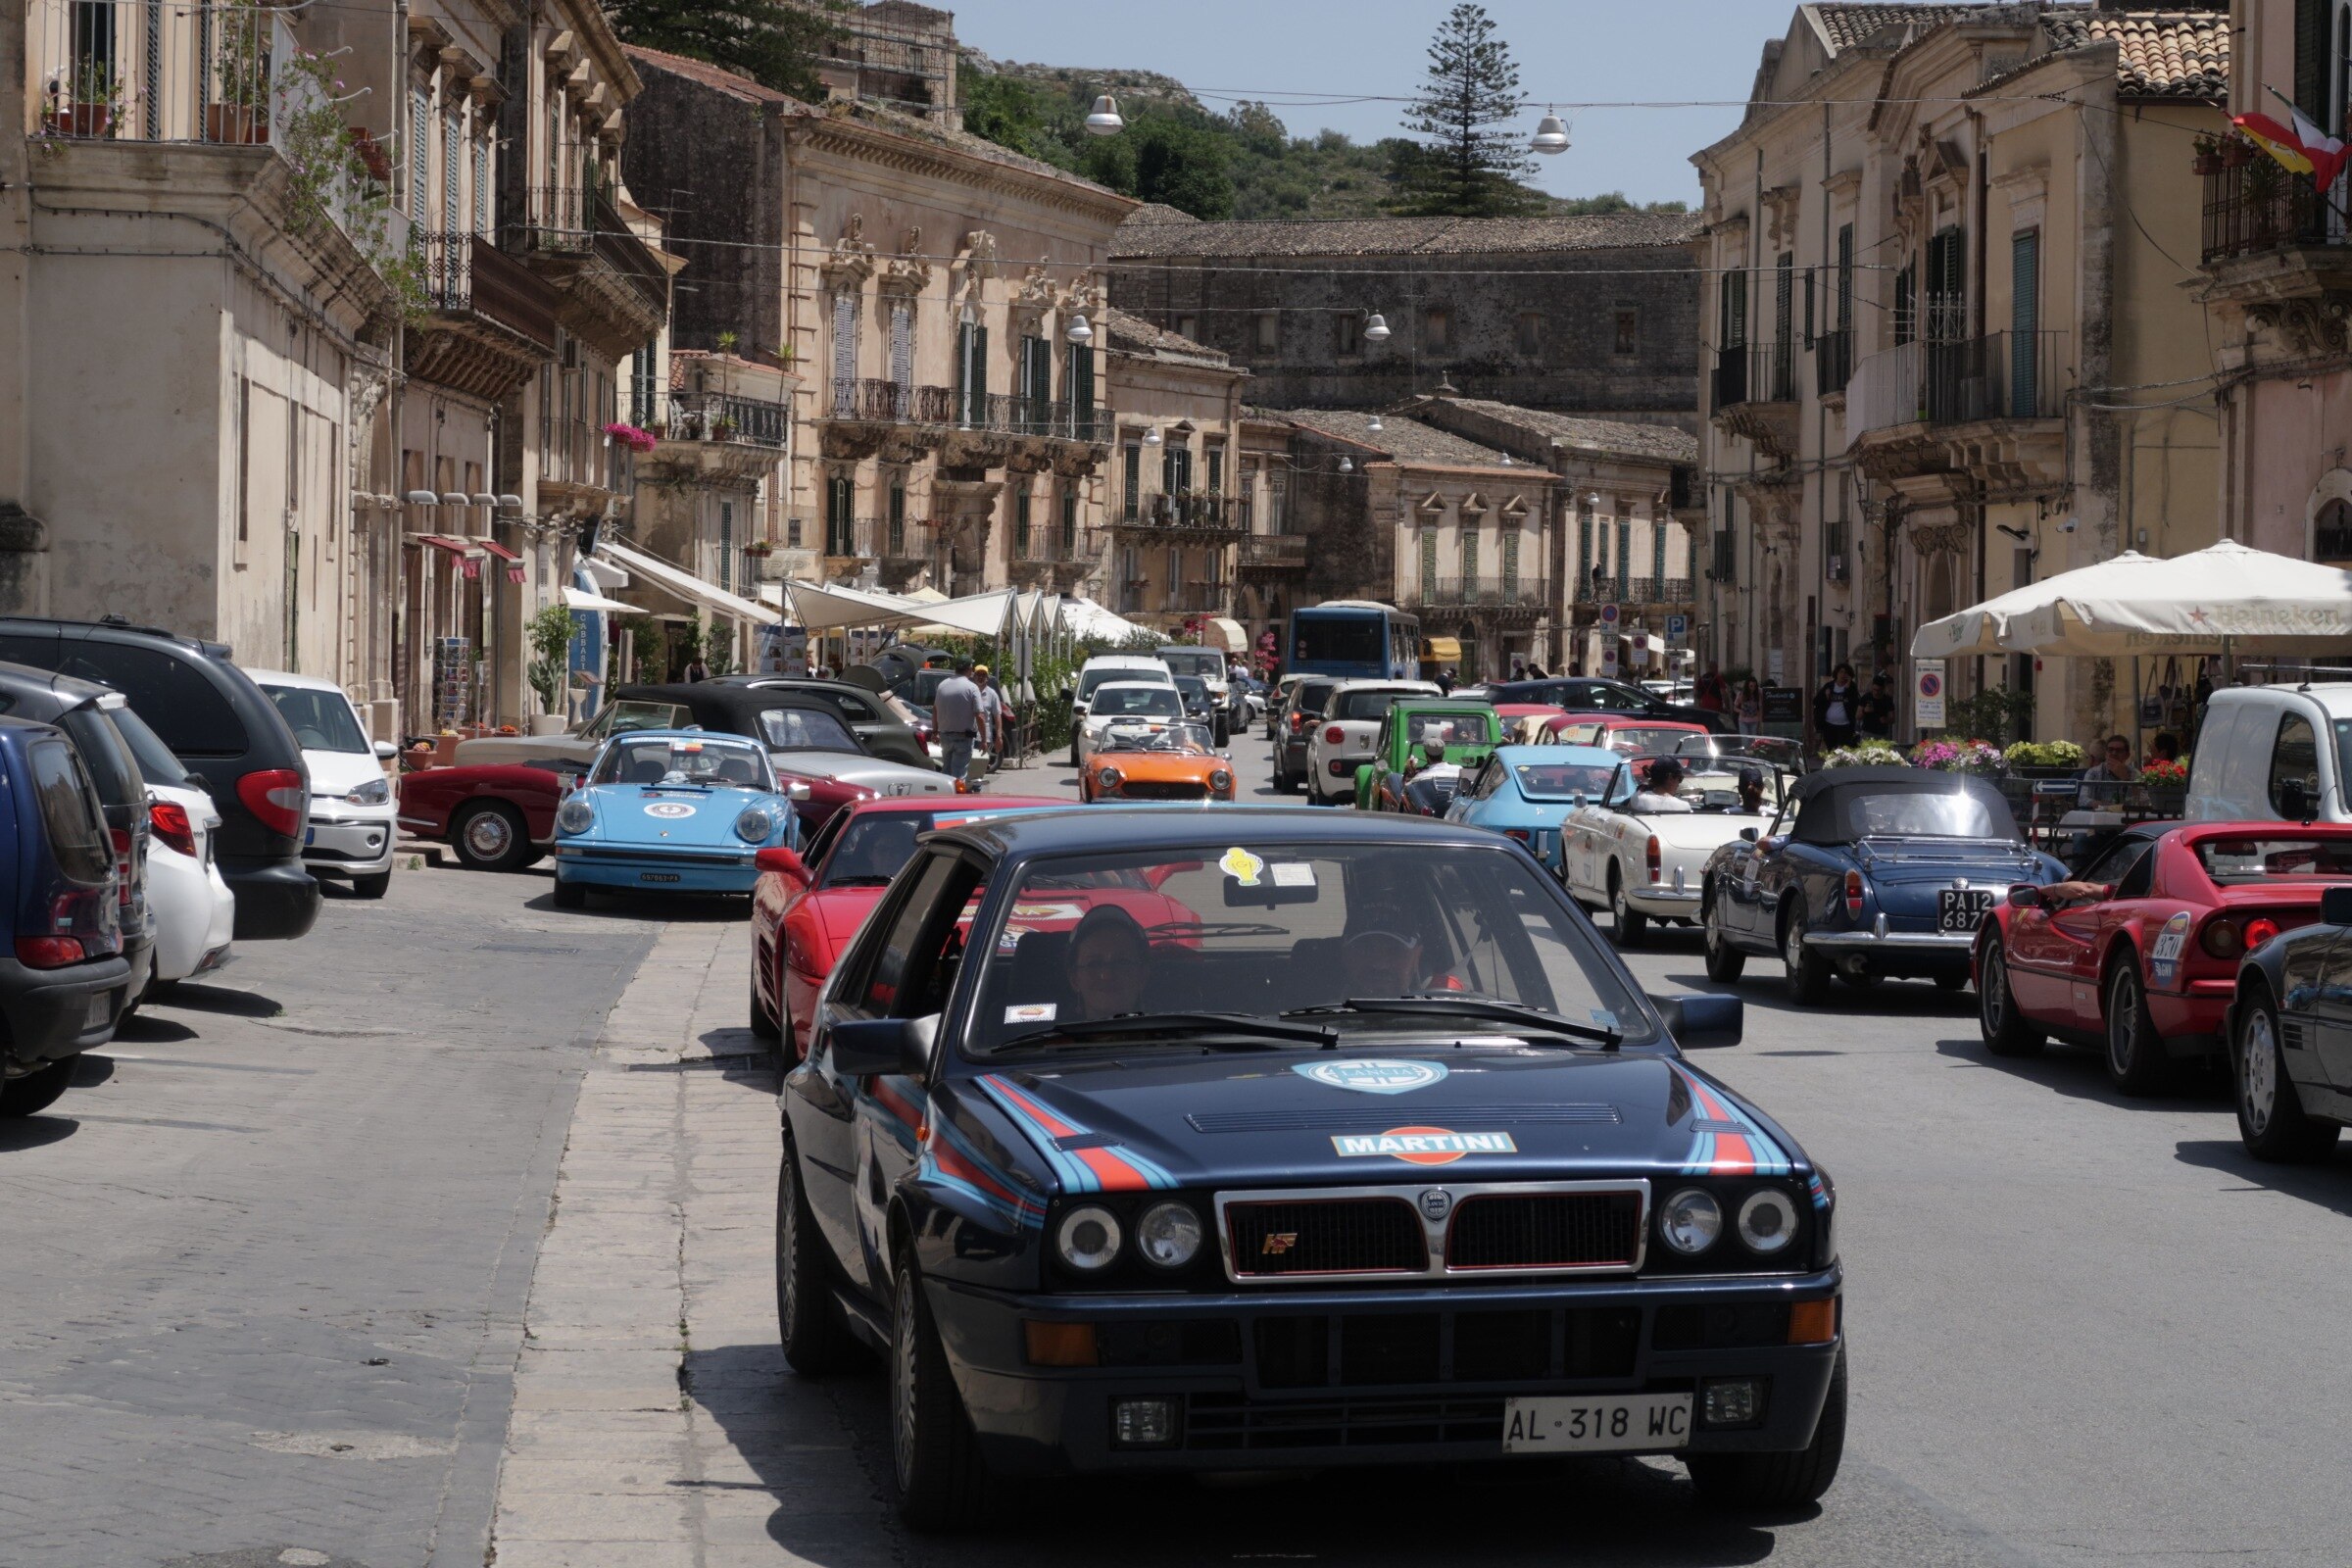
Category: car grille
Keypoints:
(1326, 1236)
(1155, 790)
(1545, 1230)
(1230, 1422)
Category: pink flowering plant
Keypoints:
(1956, 757)
(629, 435)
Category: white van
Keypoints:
(2267, 753)
(1107, 668)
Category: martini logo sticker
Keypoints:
(669, 808)
(1241, 866)
(1421, 1145)
(1375, 1075)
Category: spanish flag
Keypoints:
(2299, 145)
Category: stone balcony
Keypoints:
(490, 322)
(1755, 397)
(612, 290)
(1988, 412)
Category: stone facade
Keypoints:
(1176, 514)
(1590, 314)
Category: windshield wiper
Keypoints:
(1451, 1005)
(1179, 1025)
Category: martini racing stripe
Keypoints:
(1729, 1142)
(950, 1160)
(1081, 1164)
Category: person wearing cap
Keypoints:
(992, 716)
(1661, 781)
(955, 716)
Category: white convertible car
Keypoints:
(1646, 867)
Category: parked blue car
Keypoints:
(64, 977)
(1866, 873)
(672, 811)
(1525, 792)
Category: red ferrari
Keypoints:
(802, 918)
(2144, 959)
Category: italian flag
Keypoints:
(2298, 144)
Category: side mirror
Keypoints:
(1700, 1022)
(385, 750)
(2335, 906)
(797, 790)
(783, 862)
(2294, 802)
(1747, 835)
(864, 1046)
(2026, 896)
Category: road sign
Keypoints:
(1608, 617)
(1608, 658)
(1926, 694)
(1678, 631)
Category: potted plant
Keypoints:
(759, 549)
(371, 154)
(2044, 759)
(240, 111)
(2205, 156)
(87, 105)
(2236, 152)
(550, 634)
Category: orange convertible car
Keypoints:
(1174, 763)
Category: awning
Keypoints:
(819, 608)
(498, 550)
(976, 616)
(456, 547)
(1441, 650)
(582, 599)
(683, 584)
(1226, 631)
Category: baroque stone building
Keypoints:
(1593, 314)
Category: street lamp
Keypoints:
(1346, 466)
(1104, 121)
(1373, 426)
(1079, 331)
(1551, 137)
(1151, 436)
(1376, 329)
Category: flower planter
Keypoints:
(2204, 164)
(239, 124)
(2237, 154)
(81, 119)
(548, 724)
(372, 154)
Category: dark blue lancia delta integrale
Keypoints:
(1250, 1139)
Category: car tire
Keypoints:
(1954, 981)
(766, 1024)
(816, 1343)
(1809, 971)
(2270, 1119)
(2006, 1030)
(1627, 924)
(2136, 1058)
(1773, 1481)
(1224, 732)
(1724, 962)
(490, 835)
(935, 1455)
(372, 887)
(36, 1092)
(569, 894)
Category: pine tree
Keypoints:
(1472, 162)
(774, 43)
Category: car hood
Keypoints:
(341, 772)
(1697, 831)
(886, 779)
(1290, 1119)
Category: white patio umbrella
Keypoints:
(1979, 628)
(2222, 599)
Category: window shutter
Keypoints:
(1429, 561)
(1657, 557)
(1584, 545)
(726, 545)
(1809, 335)
(1906, 308)
(845, 354)
(1510, 558)
(902, 344)
(450, 165)
(1624, 544)
(420, 118)
(2311, 61)
(964, 372)
(1081, 391)
(2025, 319)
(481, 192)
(1846, 277)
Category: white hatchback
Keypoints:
(1341, 741)
(351, 828)
(195, 912)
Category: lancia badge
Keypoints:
(1437, 1202)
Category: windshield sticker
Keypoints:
(1046, 911)
(1603, 1018)
(669, 808)
(1374, 1075)
(1421, 1145)
(1241, 866)
(1031, 1012)
(2164, 958)
(1295, 874)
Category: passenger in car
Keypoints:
(1111, 964)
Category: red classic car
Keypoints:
(501, 816)
(2142, 958)
(803, 919)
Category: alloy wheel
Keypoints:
(2258, 1074)
(1793, 946)
(1992, 994)
(902, 1379)
(2123, 1022)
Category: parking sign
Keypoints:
(1677, 629)
(1927, 701)
(1608, 617)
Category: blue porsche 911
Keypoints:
(1525, 792)
(672, 811)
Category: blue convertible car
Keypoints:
(1866, 873)
(1525, 792)
(1151, 1142)
(672, 811)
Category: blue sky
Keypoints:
(1576, 50)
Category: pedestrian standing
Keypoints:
(1709, 693)
(992, 716)
(955, 716)
(695, 669)
(1445, 681)
(1751, 708)
(1877, 710)
(1837, 709)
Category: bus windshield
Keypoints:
(1355, 640)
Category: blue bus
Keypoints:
(1354, 638)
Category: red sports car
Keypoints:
(2141, 953)
(501, 816)
(802, 920)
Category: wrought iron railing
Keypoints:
(723, 417)
(852, 538)
(1274, 550)
(2257, 206)
(907, 539)
(2002, 376)
(874, 402)
(1751, 375)
(1157, 509)
(1483, 592)
(469, 275)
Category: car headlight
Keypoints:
(1767, 1220)
(1690, 1221)
(575, 815)
(1220, 781)
(1110, 778)
(1168, 1236)
(755, 824)
(1087, 1239)
(375, 792)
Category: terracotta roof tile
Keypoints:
(1141, 236)
(1850, 26)
(1616, 438)
(1408, 441)
(1125, 331)
(2163, 54)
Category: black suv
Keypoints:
(229, 736)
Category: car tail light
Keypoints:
(1653, 857)
(170, 819)
(1334, 735)
(1519, 833)
(275, 796)
(1297, 722)
(2222, 938)
(2259, 930)
(1853, 893)
(48, 952)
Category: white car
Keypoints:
(1123, 711)
(195, 912)
(1104, 668)
(1341, 741)
(1209, 664)
(1652, 866)
(352, 828)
